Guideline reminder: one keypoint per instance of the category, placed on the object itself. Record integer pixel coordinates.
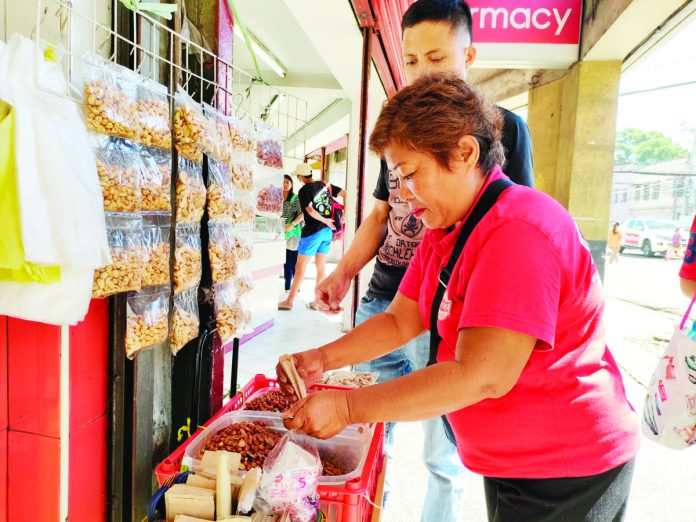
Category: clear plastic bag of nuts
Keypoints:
(156, 180)
(125, 236)
(119, 169)
(243, 208)
(217, 143)
(156, 228)
(243, 239)
(109, 98)
(242, 173)
(269, 152)
(232, 313)
(152, 110)
(242, 134)
(185, 319)
(188, 264)
(221, 250)
(189, 126)
(190, 192)
(147, 321)
(268, 188)
(220, 193)
(243, 281)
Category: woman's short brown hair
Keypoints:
(431, 116)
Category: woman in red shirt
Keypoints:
(688, 269)
(534, 398)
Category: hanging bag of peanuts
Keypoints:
(241, 134)
(125, 236)
(269, 151)
(156, 180)
(185, 320)
(242, 173)
(217, 143)
(243, 208)
(119, 169)
(190, 192)
(188, 265)
(221, 250)
(152, 110)
(231, 312)
(156, 228)
(147, 322)
(268, 189)
(189, 126)
(108, 109)
(220, 192)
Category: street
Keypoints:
(643, 303)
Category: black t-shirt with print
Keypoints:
(405, 231)
(317, 195)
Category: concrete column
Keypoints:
(573, 126)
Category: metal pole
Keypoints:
(235, 366)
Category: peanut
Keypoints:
(190, 198)
(243, 285)
(109, 110)
(187, 268)
(155, 189)
(219, 202)
(122, 275)
(242, 177)
(271, 401)
(243, 250)
(184, 329)
(216, 142)
(156, 268)
(223, 265)
(239, 141)
(119, 188)
(242, 212)
(231, 319)
(154, 123)
(142, 332)
(188, 132)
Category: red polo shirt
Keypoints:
(526, 268)
(688, 269)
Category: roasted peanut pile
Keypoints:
(184, 328)
(142, 332)
(242, 177)
(271, 401)
(122, 275)
(330, 469)
(154, 123)
(188, 132)
(109, 110)
(223, 265)
(242, 212)
(270, 199)
(187, 268)
(252, 439)
(190, 199)
(219, 202)
(119, 187)
(156, 270)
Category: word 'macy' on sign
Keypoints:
(526, 21)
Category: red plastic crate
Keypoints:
(349, 503)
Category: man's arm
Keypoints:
(369, 237)
(316, 215)
(688, 286)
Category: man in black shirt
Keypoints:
(316, 203)
(436, 38)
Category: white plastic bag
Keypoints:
(669, 414)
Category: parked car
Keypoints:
(650, 236)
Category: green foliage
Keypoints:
(646, 147)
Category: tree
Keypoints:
(646, 147)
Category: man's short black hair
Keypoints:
(456, 12)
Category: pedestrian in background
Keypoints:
(688, 269)
(614, 243)
(675, 251)
(292, 217)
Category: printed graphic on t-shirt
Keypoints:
(404, 230)
(445, 308)
(322, 202)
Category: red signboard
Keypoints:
(526, 21)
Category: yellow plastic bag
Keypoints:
(13, 266)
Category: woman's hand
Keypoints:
(310, 365)
(288, 227)
(322, 415)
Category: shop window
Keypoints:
(636, 193)
(656, 191)
(624, 196)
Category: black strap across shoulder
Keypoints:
(484, 204)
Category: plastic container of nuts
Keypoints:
(152, 109)
(156, 180)
(220, 192)
(156, 228)
(188, 265)
(185, 319)
(119, 168)
(147, 322)
(189, 126)
(221, 251)
(125, 236)
(190, 192)
(347, 450)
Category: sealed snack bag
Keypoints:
(147, 323)
(119, 168)
(231, 312)
(241, 134)
(108, 109)
(156, 180)
(221, 250)
(156, 229)
(289, 482)
(220, 192)
(188, 266)
(190, 192)
(242, 174)
(189, 126)
(217, 143)
(268, 187)
(125, 273)
(269, 151)
(152, 111)
(185, 320)
(243, 208)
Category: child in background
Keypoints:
(614, 243)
